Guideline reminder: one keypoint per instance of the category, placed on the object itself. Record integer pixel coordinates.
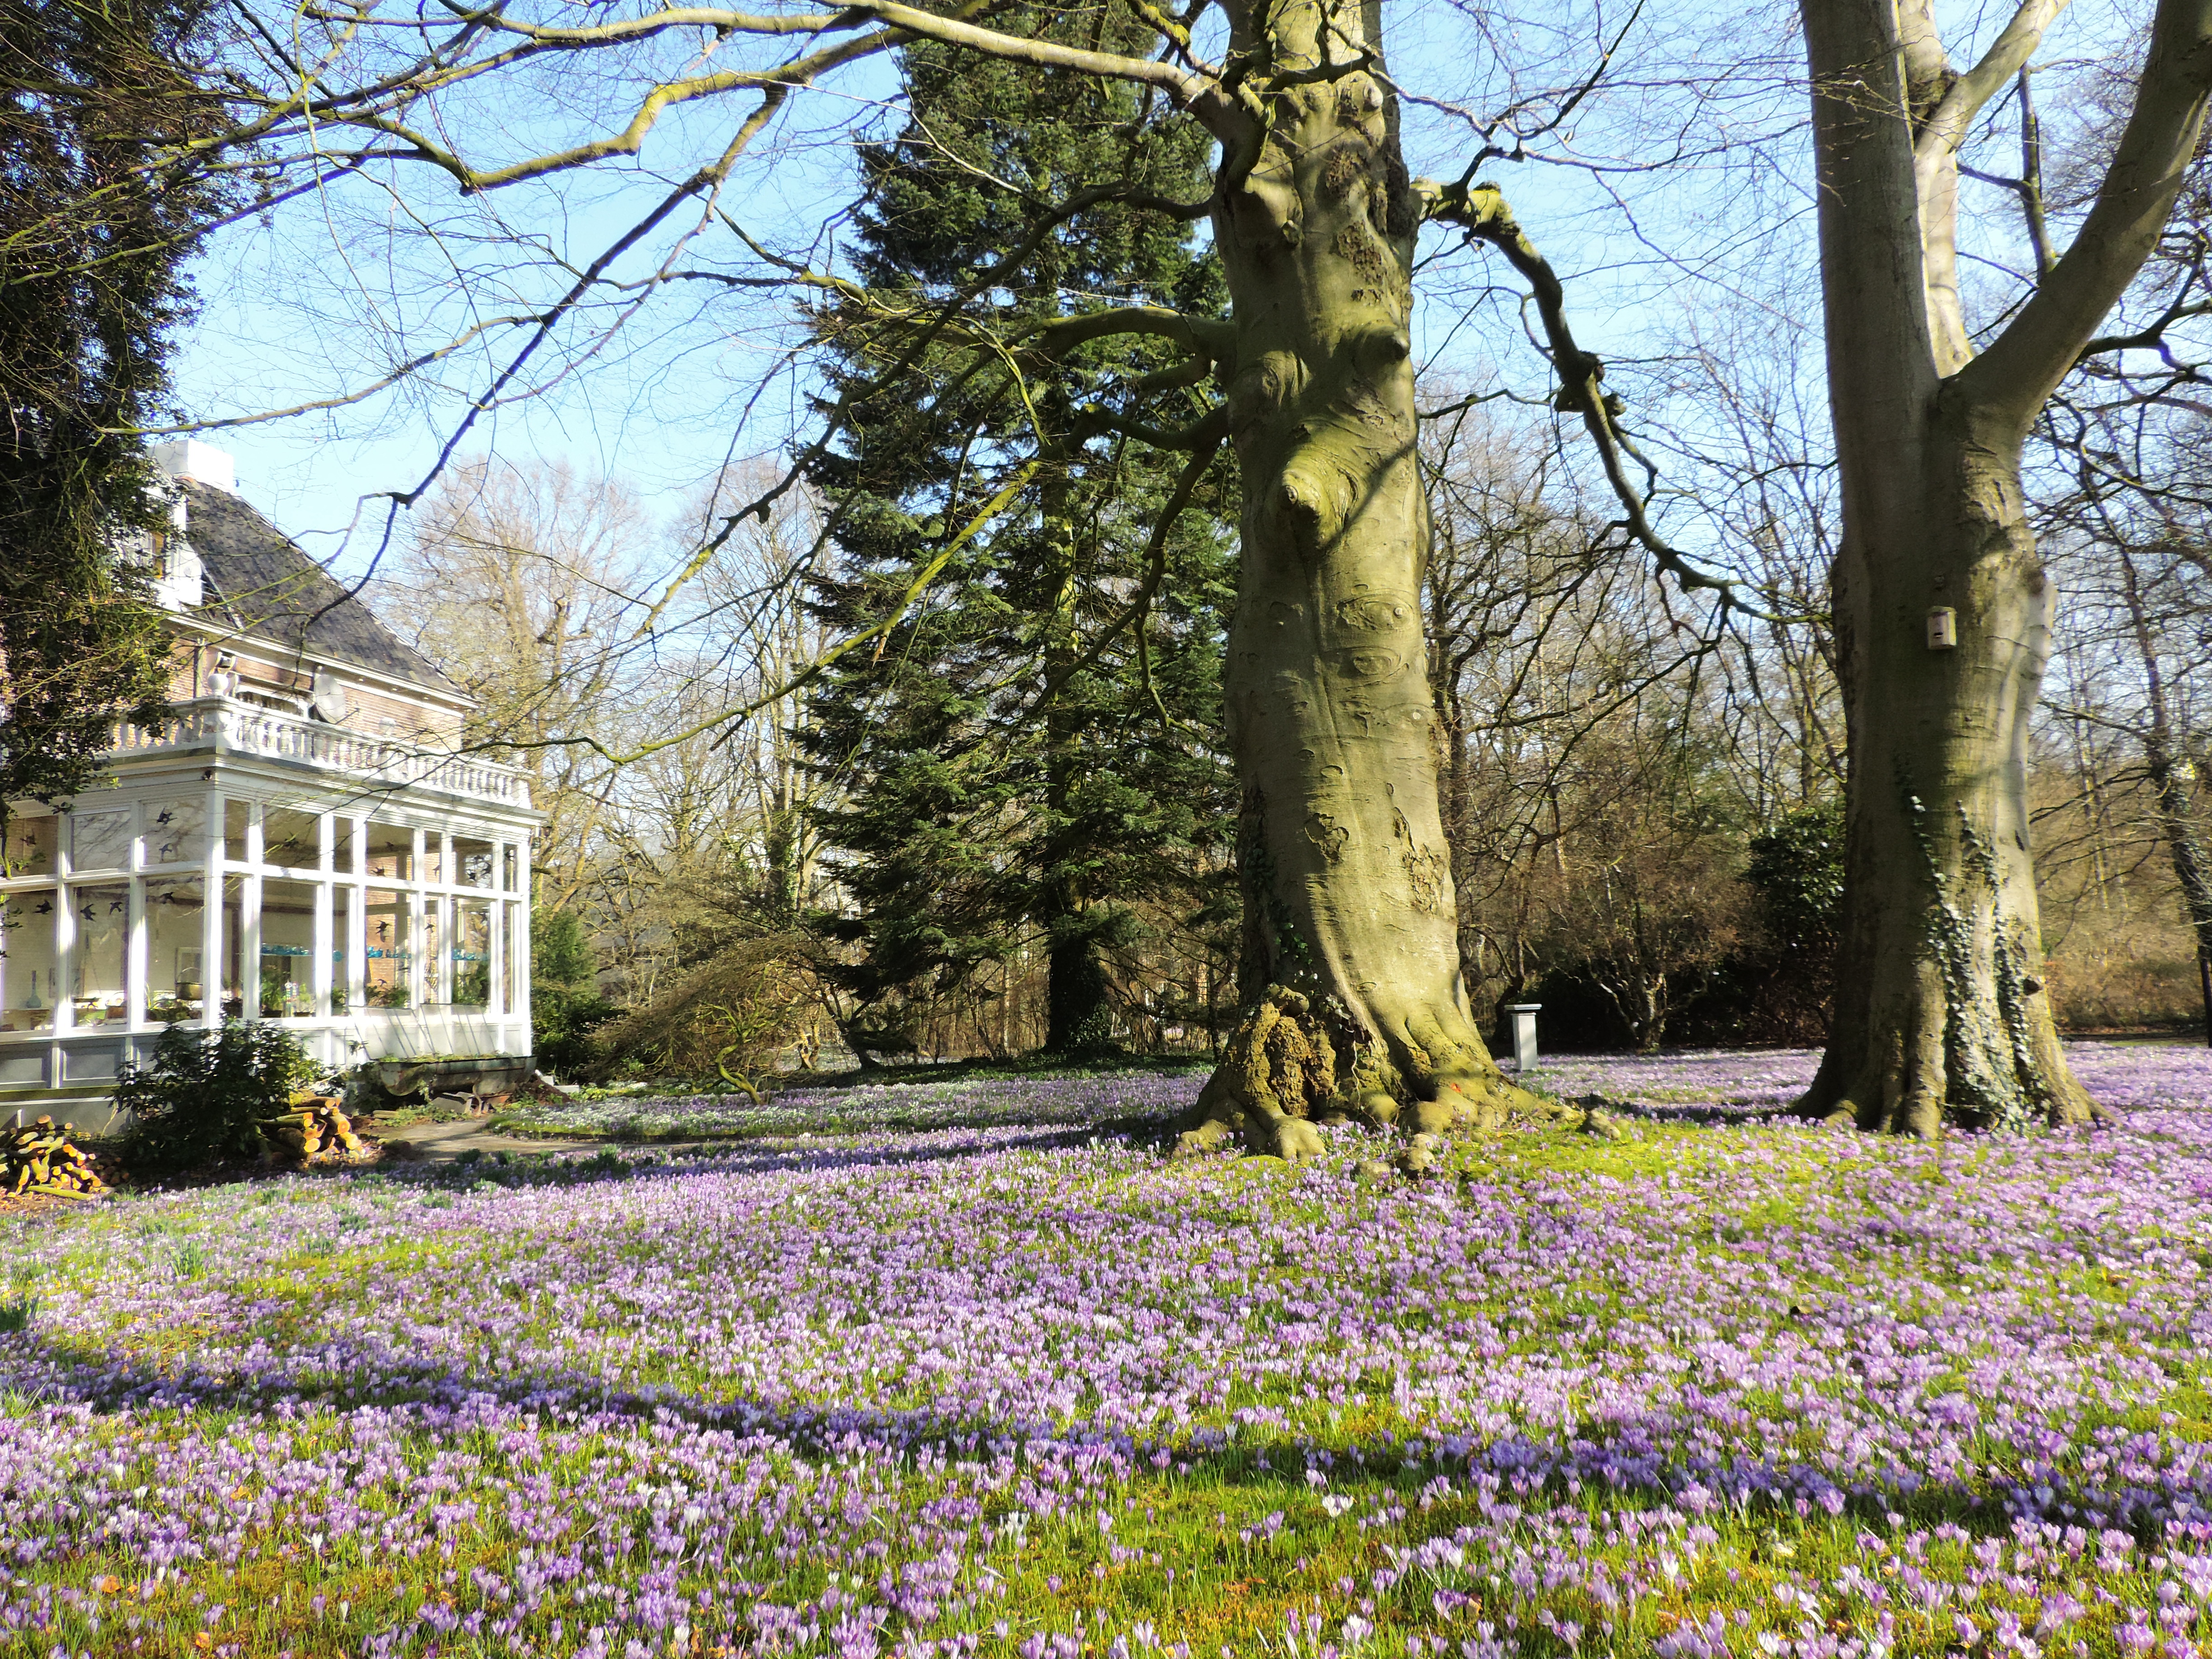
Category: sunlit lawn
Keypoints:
(1720, 1387)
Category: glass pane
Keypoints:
(288, 949)
(434, 856)
(103, 930)
(290, 838)
(507, 862)
(342, 839)
(175, 912)
(473, 860)
(32, 845)
(436, 986)
(472, 950)
(233, 942)
(176, 832)
(28, 939)
(384, 932)
(100, 841)
(341, 944)
(234, 829)
(391, 851)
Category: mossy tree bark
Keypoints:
(1356, 1003)
(1941, 1013)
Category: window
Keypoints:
(103, 933)
(28, 989)
(437, 982)
(509, 915)
(507, 869)
(386, 937)
(234, 829)
(293, 839)
(288, 949)
(100, 841)
(176, 912)
(472, 860)
(342, 841)
(434, 856)
(341, 946)
(473, 953)
(176, 830)
(33, 845)
(391, 851)
(232, 947)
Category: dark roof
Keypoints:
(258, 582)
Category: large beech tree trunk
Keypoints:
(1941, 1007)
(1941, 1012)
(1355, 1001)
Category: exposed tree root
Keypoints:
(1293, 1062)
(1920, 1077)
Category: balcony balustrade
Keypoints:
(227, 725)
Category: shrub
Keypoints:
(565, 1004)
(207, 1094)
(1796, 869)
(727, 1019)
(561, 1020)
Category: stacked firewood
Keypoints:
(39, 1158)
(315, 1129)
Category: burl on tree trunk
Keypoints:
(1943, 609)
(1355, 1004)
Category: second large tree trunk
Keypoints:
(1941, 1013)
(1355, 1001)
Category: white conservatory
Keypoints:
(305, 843)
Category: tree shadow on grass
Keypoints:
(1635, 1460)
(621, 1161)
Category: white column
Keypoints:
(319, 981)
(519, 912)
(211, 918)
(138, 990)
(65, 929)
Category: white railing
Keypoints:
(227, 726)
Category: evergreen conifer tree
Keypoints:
(1011, 767)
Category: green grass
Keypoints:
(1239, 1581)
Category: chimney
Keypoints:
(178, 578)
(204, 464)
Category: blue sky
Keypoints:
(324, 297)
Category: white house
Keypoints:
(307, 842)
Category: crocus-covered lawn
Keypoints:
(1721, 1386)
